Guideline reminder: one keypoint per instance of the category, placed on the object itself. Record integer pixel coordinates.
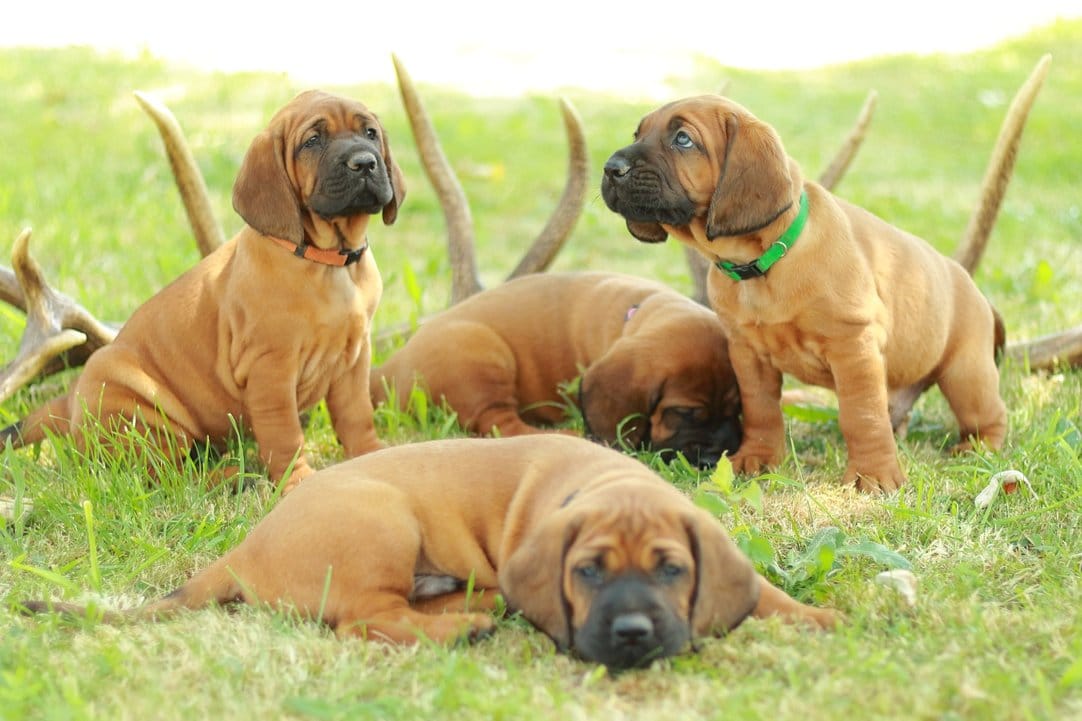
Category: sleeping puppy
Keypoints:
(808, 284)
(611, 562)
(654, 364)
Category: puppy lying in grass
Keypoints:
(654, 364)
(597, 551)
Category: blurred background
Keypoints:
(494, 47)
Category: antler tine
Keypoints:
(465, 280)
(1000, 167)
(975, 239)
(55, 323)
(1050, 351)
(190, 183)
(830, 177)
(547, 245)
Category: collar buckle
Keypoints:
(340, 257)
(747, 271)
(758, 267)
(352, 256)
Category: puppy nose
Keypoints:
(617, 166)
(633, 627)
(362, 161)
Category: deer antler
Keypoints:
(1047, 352)
(699, 266)
(975, 239)
(830, 177)
(456, 209)
(547, 245)
(460, 239)
(1000, 168)
(55, 324)
(190, 183)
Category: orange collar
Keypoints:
(338, 257)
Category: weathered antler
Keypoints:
(1047, 352)
(699, 266)
(190, 183)
(830, 177)
(1050, 351)
(465, 280)
(61, 333)
(1000, 168)
(460, 237)
(56, 326)
(560, 224)
(993, 188)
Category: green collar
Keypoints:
(773, 254)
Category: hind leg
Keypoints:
(389, 617)
(108, 415)
(52, 418)
(505, 421)
(479, 600)
(971, 386)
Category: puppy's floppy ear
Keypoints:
(263, 194)
(615, 388)
(755, 186)
(398, 183)
(726, 583)
(647, 232)
(532, 576)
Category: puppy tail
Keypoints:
(1000, 335)
(216, 585)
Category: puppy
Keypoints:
(602, 555)
(654, 364)
(272, 322)
(807, 284)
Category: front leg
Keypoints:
(860, 381)
(350, 406)
(763, 444)
(270, 401)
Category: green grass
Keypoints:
(996, 633)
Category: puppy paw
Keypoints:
(460, 627)
(963, 447)
(359, 449)
(299, 474)
(826, 619)
(752, 463)
(884, 480)
(976, 443)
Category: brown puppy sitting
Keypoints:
(593, 548)
(855, 304)
(654, 364)
(272, 322)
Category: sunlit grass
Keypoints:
(996, 632)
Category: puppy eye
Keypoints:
(590, 573)
(683, 140)
(312, 141)
(371, 133)
(670, 572)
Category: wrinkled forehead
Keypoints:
(697, 110)
(314, 105)
(641, 521)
